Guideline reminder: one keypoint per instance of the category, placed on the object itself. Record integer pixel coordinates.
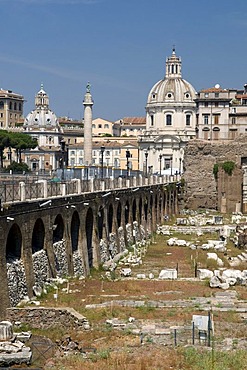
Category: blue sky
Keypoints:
(120, 46)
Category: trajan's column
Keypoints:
(88, 108)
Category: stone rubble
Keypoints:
(16, 281)
(12, 350)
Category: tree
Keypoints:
(18, 141)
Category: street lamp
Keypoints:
(62, 143)
(102, 149)
(171, 164)
(160, 159)
(128, 155)
(146, 159)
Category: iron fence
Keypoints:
(14, 191)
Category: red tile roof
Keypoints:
(134, 120)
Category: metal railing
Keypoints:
(19, 191)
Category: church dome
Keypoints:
(172, 89)
(42, 116)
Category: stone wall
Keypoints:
(201, 190)
(44, 318)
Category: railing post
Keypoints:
(102, 185)
(91, 185)
(63, 190)
(45, 192)
(22, 191)
(78, 186)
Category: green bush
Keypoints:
(17, 167)
(227, 166)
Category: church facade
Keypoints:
(42, 124)
(170, 121)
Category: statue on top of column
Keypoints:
(88, 87)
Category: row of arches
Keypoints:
(80, 227)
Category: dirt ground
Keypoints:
(158, 333)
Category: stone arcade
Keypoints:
(69, 235)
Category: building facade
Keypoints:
(132, 126)
(11, 109)
(170, 121)
(221, 113)
(102, 127)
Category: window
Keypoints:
(72, 152)
(233, 134)
(20, 107)
(169, 95)
(216, 133)
(10, 105)
(205, 104)
(15, 106)
(152, 120)
(107, 152)
(1, 104)
(216, 95)
(216, 119)
(188, 119)
(1, 115)
(106, 125)
(116, 152)
(205, 119)
(93, 125)
(167, 163)
(99, 126)
(216, 104)
(187, 96)
(168, 119)
(80, 161)
(80, 153)
(153, 96)
(233, 120)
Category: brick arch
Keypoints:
(126, 212)
(14, 243)
(140, 210)
(38, 236)
(100, 222)
(89, 235)
(110, 217)
(134, 210)
(58, 231)
(118, 215)
(74, 230)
